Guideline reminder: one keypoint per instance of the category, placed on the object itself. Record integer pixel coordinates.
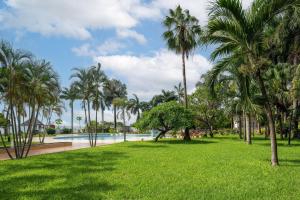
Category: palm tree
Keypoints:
(123, 113)
(30, 85)
(182, 36)
(135, 106)
(79, 118)
(83, 83)
(165, 96)
(180, 92)
(99, 78)
(71, 95)
(234, 29)
(114, 89)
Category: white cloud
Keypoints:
(148, 75)
(127, 33)
(74, 19)
(77, 19)
(198, 8)
(108, 47)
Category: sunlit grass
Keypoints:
(218, 168)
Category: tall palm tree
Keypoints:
(135, 106)
(71, 95)
(165, 96)
(234, 29)
(114, 89)
(123, 113)
(83, 83)
(182, 36)
(180, 92)
(99, 78)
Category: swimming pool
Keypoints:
(104, 137)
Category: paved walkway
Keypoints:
(4, 156)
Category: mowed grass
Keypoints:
(218, 168)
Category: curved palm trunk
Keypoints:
(186, 130)
(268, 109)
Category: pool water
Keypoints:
(105, 137)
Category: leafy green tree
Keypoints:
(166, 117)
(182, 36)
(235, 30)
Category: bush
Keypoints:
(51, 131)
(66, 131)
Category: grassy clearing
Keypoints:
(219, 168)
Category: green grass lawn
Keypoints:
(218, 168)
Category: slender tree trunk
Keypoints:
(115, 117)
(295, 118)
(248, 128)
(138, 115)
(89, 112)
(240, 127)
(259, 128)
(102, 115)
(274, 154)
(187, 136)
(245, 126)
(31, 135)
(124, 134)
(290, 132)
(85, 116)
(72, 116)
(280, 125)
(95, 142)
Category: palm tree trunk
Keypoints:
(280, 125)
(274, 153)
(95, 139)
(124, 134)
(89, 112)
(240, 127)
(72, 116)
(115, 117)
(295, 118)
(248, 128)
(85, 116)
(245, 126)
(102, 115)
(186, 131)
(259, 128)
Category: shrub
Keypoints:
(66, 131)
(51, 131)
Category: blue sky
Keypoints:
(124, 35)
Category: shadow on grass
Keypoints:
(197, 141)
(68, 175)
(290, 162)
(280, 144)
(146, 146)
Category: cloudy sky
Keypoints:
(123, 35)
